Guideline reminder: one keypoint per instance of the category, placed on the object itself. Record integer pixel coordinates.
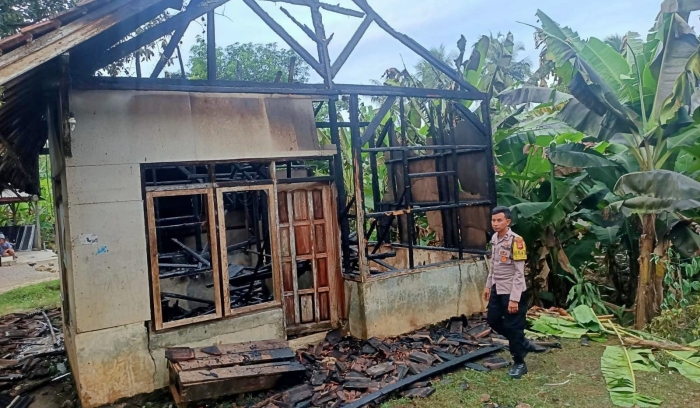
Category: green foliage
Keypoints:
(15, 14)
(682, 280)
(23, 213)
(29, 298)
(583, 292)
(680, 325)
(247, 62)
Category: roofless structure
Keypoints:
(192, 212)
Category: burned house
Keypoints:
(195, 212)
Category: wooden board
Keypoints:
(208, 384)
(248, 358)
(228, 369)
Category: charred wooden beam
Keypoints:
(350, 47)
(188, 298)
(211, 46)
(169, 49)
(309, 32)
(192, 252)
(277, 28)
(417, 48)
(322, 43)
(193, 11)
(325, 6)
(374, 124)
(225, 86)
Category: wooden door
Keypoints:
(308, 247)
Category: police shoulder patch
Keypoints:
(519, 250)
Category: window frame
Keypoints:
(274, 248)
(154, 263)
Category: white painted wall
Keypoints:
(117, 131)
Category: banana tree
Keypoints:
(642, 102)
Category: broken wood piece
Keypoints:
(422, 358)
(297, 394)
(424, 392)
(495, 363)
(247, 358)
(401, 371)
(476, 367)
(425, 374)
(356, 383)
(630, 341)
(415, 368)
(319, 377)
(483, 334)
(377, 344)
(380, 369)
(178, 354)
(213, 350)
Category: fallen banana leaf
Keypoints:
(688, 364)
(558, 327)
(618, 365)
(586, 317)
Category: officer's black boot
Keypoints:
(517, 371)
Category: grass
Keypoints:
(40, 296)
(569, 378)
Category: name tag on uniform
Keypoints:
(519, 250)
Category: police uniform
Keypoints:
(507, 282)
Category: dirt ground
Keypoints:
(569, 378)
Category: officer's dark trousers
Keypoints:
(511, 326)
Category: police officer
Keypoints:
(506, 290)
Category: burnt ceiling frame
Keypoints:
(356, 257)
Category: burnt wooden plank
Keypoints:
(223, 373)
(208, 384)
(423, 392)
(380, 369)
(422, 358)
(247, 358)
(177, 354)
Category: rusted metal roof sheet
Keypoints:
(46, 40)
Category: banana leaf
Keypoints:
(657, 191)
(533, 94)
(528, 209)
(586, 318)
(577, 155)
(677, 43)
(618, 365)
(687, 364)
(558, 327)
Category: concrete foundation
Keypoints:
(393, 305)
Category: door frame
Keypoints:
(332, 234)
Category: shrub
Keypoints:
(680, 325)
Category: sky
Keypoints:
(431, 23)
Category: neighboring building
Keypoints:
(200, 212)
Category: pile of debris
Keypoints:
(32, 354)
(346, 372)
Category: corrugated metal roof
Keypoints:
(28, 75)
(10, 196)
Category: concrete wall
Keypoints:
(395, 305)
(108, 280)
